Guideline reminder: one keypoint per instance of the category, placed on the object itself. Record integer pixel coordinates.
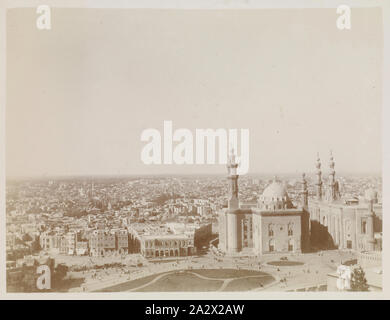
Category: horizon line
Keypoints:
(112, 175)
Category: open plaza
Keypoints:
(275, 272)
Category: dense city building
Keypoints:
(116, 227)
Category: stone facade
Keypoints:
(101, 243)
(169, 240)
(339, 223)
(274, 225)
(258, 232)
(162, 246)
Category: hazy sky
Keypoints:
(79, 95)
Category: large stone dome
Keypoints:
(275, 197)
(276, 190)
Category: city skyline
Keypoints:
(267, 176)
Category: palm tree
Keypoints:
(358, 280)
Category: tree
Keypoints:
(358, 280)
(26, 237)
(60, 273)
(35, 246)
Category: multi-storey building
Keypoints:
(167, 245)
(101, 242)
(122, 241)
(169, 240)
(71, 239)
(81, 248)
(51, 241)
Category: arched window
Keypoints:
(271, 245)
(290, 229)
(270, 230)
(291, 245)
(364, 227)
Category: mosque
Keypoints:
(342, 223)
(275, 225)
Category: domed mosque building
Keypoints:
(275, 225)
(275, 197)
(272, 225)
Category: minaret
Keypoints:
(231, 217)
(370, 227)
(371, 197)
(304, 191)
(233, 177)
(306, 225)
(331, 183)
(319, 181)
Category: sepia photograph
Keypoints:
(235, 149)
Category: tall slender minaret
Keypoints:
(304, 192)
(233, 184)
(332, 183)
(305, 222)
(371, 197)
(319, 181)
(232, 237)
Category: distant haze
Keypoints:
(79, 95)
